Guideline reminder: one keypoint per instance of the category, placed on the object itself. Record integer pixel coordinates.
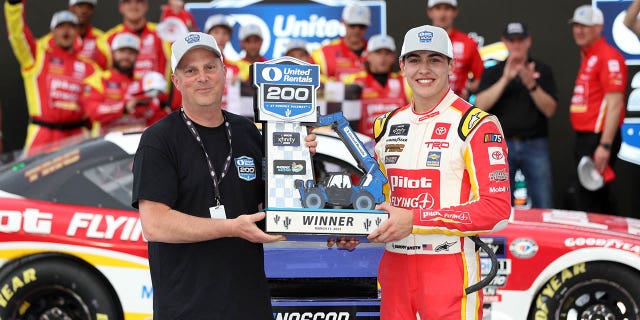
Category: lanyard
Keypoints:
(227, 162)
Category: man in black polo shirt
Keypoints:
(521, 92)
(198, 185)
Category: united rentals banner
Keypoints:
(317, 22)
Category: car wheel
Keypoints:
(52, 286)
(313, 199)
(593, 290)
(364, 201)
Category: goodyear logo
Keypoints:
(246, 168)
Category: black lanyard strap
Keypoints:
(227, 161)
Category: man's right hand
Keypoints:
(245, 227)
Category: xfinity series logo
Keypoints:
(286, 139)
(399, 129)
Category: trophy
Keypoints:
(285, 103)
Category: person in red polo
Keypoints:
(597, 106)
(468, 66)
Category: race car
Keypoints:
(71, 247)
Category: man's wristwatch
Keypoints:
(607, 146)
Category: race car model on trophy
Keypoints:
(285, 102)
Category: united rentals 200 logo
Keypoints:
(286, 88)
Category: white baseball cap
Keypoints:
(381, 41)
(153, 81)
(427, 38)
(432, 3)
(356, 14)
(74, 2)
(217, 20)
(190, 41)
(125, 40)
(296, 43)
(248, 30)
(587, 15)
(62, 17)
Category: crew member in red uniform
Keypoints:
(175, 8)
(344, 56)
(154, 51)
(221, 29)
(597, 106)
(467, 60)
(446, 182)
(113, 99)
(382, 89)
(88, 34)
(52, 73)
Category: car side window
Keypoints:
(114, 178)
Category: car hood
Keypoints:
(577, 220)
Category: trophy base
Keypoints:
(323, 221)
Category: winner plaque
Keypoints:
(295, 203)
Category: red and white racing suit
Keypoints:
(467, 61)
(336, 60)
(87, 46)
(376, 99)
(53, 84)
(450, 167)
(153, 55)
(104, 98)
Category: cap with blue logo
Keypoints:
(355, 14)
(191, 41)
(61, 17)
(381, 41)
(217, 20)
(125, 40)
(248, 30)
(427, 38)
(587, 15)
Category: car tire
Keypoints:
(54, 286)
(314, 199)
(592, 290)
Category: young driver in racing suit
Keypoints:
(448, 179)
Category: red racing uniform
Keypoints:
(88, 45)
(449, 167)
(104, 98)
(376, 99)
(184, 15)
(53, 84)
(467, 60)
(602, 70)
(336, 60)
(153, 55)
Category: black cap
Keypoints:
(515, 30)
